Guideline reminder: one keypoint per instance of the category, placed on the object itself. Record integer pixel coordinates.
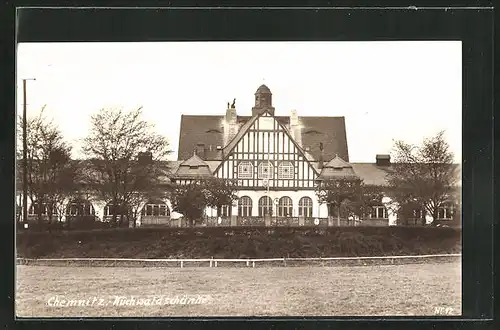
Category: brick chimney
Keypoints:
(383, 160)
(295, 127)
(230, 123)
(321, 157)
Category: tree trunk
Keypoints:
(434, 216)
(338, 216)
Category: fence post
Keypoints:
(215, 263)
(248, 263)
(182, 264)
(253, 264)
(211, 261)
(284, 261)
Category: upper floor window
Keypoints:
(285, 170)
(265, 170)
(245, 170)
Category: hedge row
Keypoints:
(239, 242)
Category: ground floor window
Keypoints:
(305, 207)
(79, 208)
(155, 208)
(265, 206)
(41, 208)
(226, 211)
(285, 207)
(379, 212)
(417, 213)
(111, 209)
(445, 212)
(245, 206)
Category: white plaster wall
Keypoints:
(392, 210)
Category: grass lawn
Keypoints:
(410, 290)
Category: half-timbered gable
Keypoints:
(265, 156)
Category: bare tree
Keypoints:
(348, 196)
(52, 173)
(116, 140)
(220, 192)
(423, 175)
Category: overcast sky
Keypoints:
(385, 90)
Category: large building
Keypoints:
(275, 160)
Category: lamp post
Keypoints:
(25, 155)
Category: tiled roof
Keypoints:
(209, 130)
(194, 167)
(263, 89)
(240, 134)
(201, 129)
(371, 173)
(337, 168)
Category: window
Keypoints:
(417, 214)
(42, 209)
(379, 212)
(112, 209)
(245, 206)
(305, 207)
(245, 170)
(445, 212)
(265, 170)
(155, 208)
(265, 206)
(285, 207)
(82, 207)
(285, 170)
(226, 211)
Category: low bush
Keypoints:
(252, 242)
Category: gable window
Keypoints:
(265, 170)
(285, 207)
(379, 212)
(265, 206)
(285, 170)
(245, 206)
(305, 207)
(245, 170)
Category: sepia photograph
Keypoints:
(238, 179)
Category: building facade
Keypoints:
(276, 162)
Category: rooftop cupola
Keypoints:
(263, 101)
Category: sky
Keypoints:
(386, 91)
